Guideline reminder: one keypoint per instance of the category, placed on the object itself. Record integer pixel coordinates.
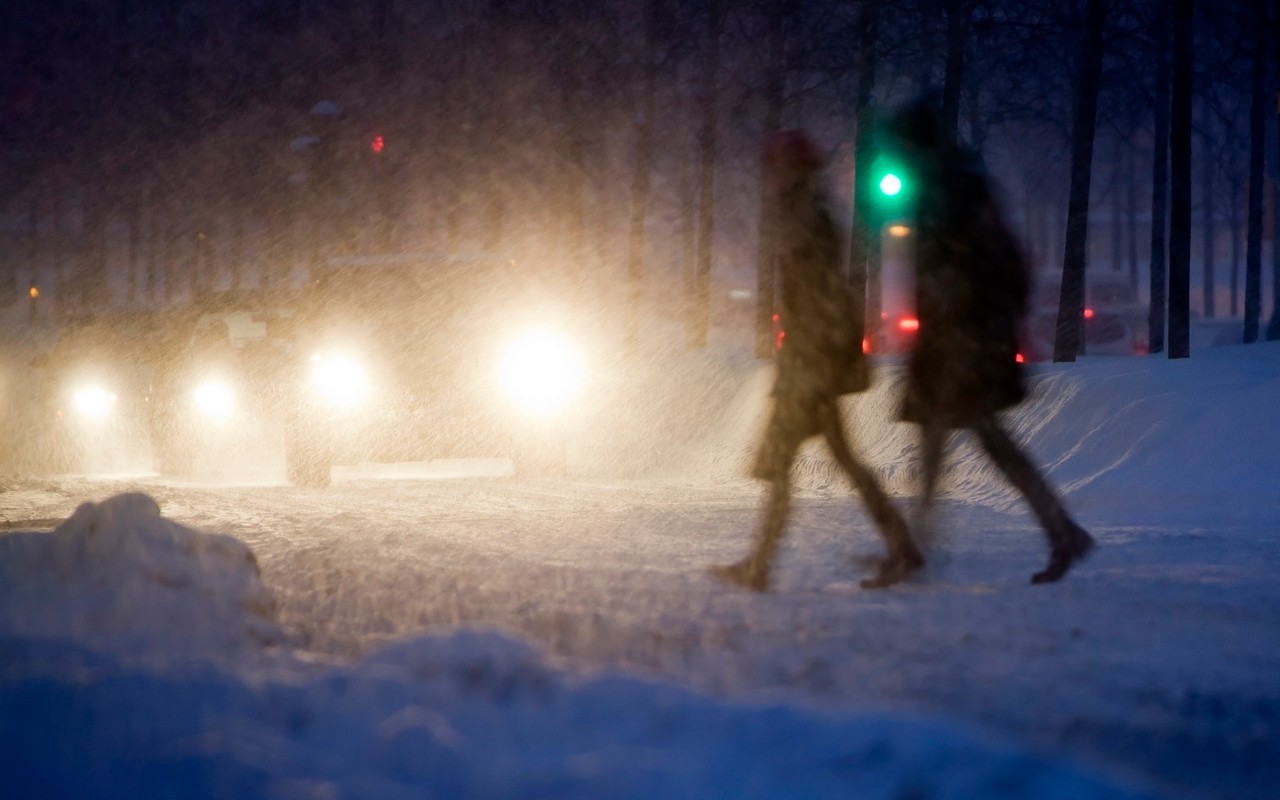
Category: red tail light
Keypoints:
(908, 324)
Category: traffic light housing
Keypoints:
(885, 193)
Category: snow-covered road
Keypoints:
(1158, 658)
(1156, 663)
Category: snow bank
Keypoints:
(117, 574)
(1124, 436)
(477, 715)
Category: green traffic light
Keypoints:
(891, 184)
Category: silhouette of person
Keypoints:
(820, 358)
(972, 283)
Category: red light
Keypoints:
(866, 345)
(1020, 359)
(909, 324)
(1088, 313)
(376, 144)
(777, 343)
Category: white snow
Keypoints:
(490, 637)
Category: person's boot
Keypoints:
(896, 567)
(1072, 547)
(749, 573)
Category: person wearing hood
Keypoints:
(972, 287)
(819, 357)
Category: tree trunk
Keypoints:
(700, 317)
(1131, 217)
(1180, 173)
(1159, 184)
(1234, 225)
(959, 14)
(93, 253)
(132, 259)
(862, 231)
(1071, 303)
(1117, 208)
(1206, 217)
(1257, 163)
(774, 106)
(640, 181)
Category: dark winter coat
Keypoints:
(972, 282)
(821, 353)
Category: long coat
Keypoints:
(972, 282)
(821, 353)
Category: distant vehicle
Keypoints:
(1114, 324)
(93, 394)
(427, 355)
(219, 381)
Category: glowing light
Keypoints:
(866, 345)
(1088, 313)
(34, 292)
(215, 400)
(541, 371)
(339, 381)
(94, 402)
(899, 231)
(376, 144)
(1020, 358)
(891, 184)
(908, 324)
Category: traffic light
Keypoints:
(885, 193)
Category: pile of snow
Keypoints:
(117, 574)
(134, 666)
(475, 715)
(1121, 435)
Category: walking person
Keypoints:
(820, 359)
(972, 284)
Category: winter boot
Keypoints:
(1070, 548)
(749, 573)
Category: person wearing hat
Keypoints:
(819, 358)
(972, 283)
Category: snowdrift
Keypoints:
(1124, 436)
(117, 574)
(142, 660)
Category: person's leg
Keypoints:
(903, 555)
(1068, 542)
(933, 440)
(782, 440)
(752, 572)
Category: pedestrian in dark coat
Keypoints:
(819, 360)
(972, 284)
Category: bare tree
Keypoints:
(700, 310)
(1071, 304)
(1180, 163)
(1257, 134)
(1157, 310)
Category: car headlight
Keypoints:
(541, 371)
(339, 381)
(94, 402)
(215, 399)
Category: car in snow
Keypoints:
(417, 356)
(217, 386)
(1114, 319)
(92, 394)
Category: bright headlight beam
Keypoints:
(541, 371)
(94, 402)
(215, 399)
(339, 381)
